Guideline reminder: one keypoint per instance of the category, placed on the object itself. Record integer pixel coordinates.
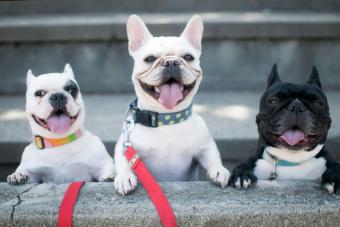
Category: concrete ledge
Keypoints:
(299, 203)
(218, 25)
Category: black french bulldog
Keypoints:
(293, 123)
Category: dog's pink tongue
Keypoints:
(170, 95)
(59, 123)
(293, 137)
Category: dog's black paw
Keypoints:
(242, 180)
(331, 180)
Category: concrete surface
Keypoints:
(286, 203)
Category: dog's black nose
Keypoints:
(169, 63)
(172, 71)
(296, 106)
(58, 101)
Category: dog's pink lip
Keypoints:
(154, 90)
(43, 122)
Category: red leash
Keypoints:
(67, 205)
(155, 192)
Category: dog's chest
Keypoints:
(311, 169)
(67, 163)
(169, 151)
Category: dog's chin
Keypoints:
(294, 140)
(59, 122)
(169, 94)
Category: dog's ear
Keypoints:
(314, 78)
(137, 32)
(193, 31)
(30, 77)
(68, 70)
(273, 77)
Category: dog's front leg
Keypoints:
(243, 174)
(210, 159)
(125, 180)
(330, 180)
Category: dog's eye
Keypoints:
(188, 57)
(318, 103)
(40, 93)
(72, 90)
(150, 59)
(273, 101)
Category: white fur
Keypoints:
(293, 156)
(329, 188)
(168, 151)
(309, 168)
(84, 159)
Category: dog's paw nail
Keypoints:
(219, 176)
(238, 183)
(246, 183)
(17, 178)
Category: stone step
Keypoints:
(81, 6)
(218, 25)
(238, 48)
(270, 203)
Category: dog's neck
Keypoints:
(43, 142)
(156, 119)
(291, 156)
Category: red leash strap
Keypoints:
(67, 205)
(155, 192)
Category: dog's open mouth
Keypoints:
(58, 122)
(170, 93)
(295, 137)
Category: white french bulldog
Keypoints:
(62, 150)
(166, 77)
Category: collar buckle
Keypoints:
(147, 118)
(39, 141)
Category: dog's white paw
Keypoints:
(219, 175)
(244, 183)
(17, 178)
(329, 187)
(125, 183)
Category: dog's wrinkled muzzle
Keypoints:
(166, 59)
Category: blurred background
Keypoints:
(242, 39)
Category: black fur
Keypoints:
(72, 88)
(332, 174)
(286, 106)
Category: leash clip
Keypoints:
(273, 173)
(128, 125)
